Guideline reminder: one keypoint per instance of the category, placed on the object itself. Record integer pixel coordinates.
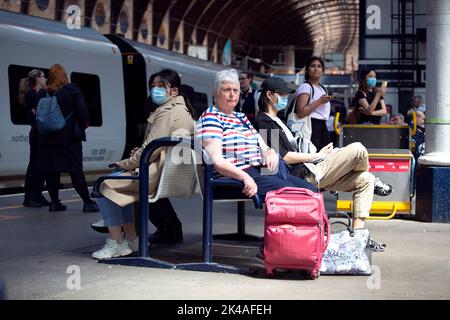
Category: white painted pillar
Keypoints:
(437, 140)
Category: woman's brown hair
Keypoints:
(57, 77)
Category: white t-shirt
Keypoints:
(323, 111)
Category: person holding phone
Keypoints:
(370, 99)
(312, 99)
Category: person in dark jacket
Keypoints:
(247, 103)
(61, 151)
(29, 91)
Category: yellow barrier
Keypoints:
(378, 208)
(337, 129)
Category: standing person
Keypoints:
(344, 170)
(312, 99)
(173, 117)
(247, 103)
(369, 98)
(29, 92)
(61, 151)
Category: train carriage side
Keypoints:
(91, 61)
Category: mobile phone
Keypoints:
(384, 84)
(334, 95)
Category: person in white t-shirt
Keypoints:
(313, 99)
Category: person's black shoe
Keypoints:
(44, 202)
(381, 188)
(178, 232)
(90, 207)
(32, 204)
(163, 237)
(99, 226)
(376, 246)
(57, 206)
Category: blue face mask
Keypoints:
(282, 103)
(159, 95)
(372, 82)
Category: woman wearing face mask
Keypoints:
(346, 170)
(369, 98)
(172, 117)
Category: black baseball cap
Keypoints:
(277, 85)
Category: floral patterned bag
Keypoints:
(348, 252)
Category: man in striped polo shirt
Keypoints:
(236, 148)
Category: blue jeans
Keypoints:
(114, 215)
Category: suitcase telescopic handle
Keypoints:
(292, 190)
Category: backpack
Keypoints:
(49, 117)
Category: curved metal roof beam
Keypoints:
(293, 19)
(313, 27)
(210, 16)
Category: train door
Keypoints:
(136, 93)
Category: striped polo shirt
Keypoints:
(239, 139)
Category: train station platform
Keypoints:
(39, 251)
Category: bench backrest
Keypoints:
(178, 179)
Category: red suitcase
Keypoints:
(296, 230)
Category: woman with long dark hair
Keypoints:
(29, 91)
(369, 98)
(313, 100)
(61, 151)
(172, 117)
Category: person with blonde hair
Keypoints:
(61, 151)
(29, 90)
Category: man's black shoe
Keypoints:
(32, 204)
(57, 206)
(90, 207)
(44, 202)
(161, 237)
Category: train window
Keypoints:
(200, 104)
(89, 85)
(18, 108)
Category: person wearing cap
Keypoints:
(345, 169)
(236, 148)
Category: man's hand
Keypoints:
(250, 187)
(271, 159)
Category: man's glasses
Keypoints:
(242, 79)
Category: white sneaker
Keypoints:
(134, 244)
(112, 249)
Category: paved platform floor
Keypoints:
(41, 252)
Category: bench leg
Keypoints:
(240, 235)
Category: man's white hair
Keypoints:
(227, 75)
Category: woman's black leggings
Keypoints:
(78, 182)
